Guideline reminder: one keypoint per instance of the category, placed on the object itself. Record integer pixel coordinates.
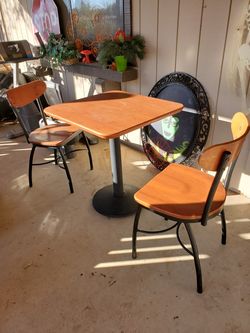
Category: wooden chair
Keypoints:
(28, 110)
(187, 195)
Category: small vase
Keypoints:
(121, 63)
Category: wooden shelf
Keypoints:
(18, 60)
(96, 70)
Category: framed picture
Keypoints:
(13, 50)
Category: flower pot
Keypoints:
(70, 61)
(121, 63)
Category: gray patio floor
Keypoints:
(65, 268)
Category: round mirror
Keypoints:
(181, 137)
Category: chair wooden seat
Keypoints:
(54, 135)
(181, 192)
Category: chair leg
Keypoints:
(196, 258)
(55, 156)
(223, 228)
(66, 170)
(89, 152)
(135, 228)
(30, 164)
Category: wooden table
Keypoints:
(109, 115)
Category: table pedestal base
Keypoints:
(107, 204)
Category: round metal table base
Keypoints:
(106, 204)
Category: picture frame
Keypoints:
(14, 50)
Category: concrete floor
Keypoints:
(65, 268)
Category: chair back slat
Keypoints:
(211, 157)
(26, 94)
(29, 117)
(221, 168)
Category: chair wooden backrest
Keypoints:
(211, 157)
(26, 94)
(218, 157)
(22, 99)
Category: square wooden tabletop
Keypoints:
(111, 114)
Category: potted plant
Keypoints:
(121, 50)
(60, 51)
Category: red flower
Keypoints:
(120, 36)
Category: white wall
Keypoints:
(200, 37)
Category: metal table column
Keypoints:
(117, 199)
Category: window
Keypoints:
(93, 20)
